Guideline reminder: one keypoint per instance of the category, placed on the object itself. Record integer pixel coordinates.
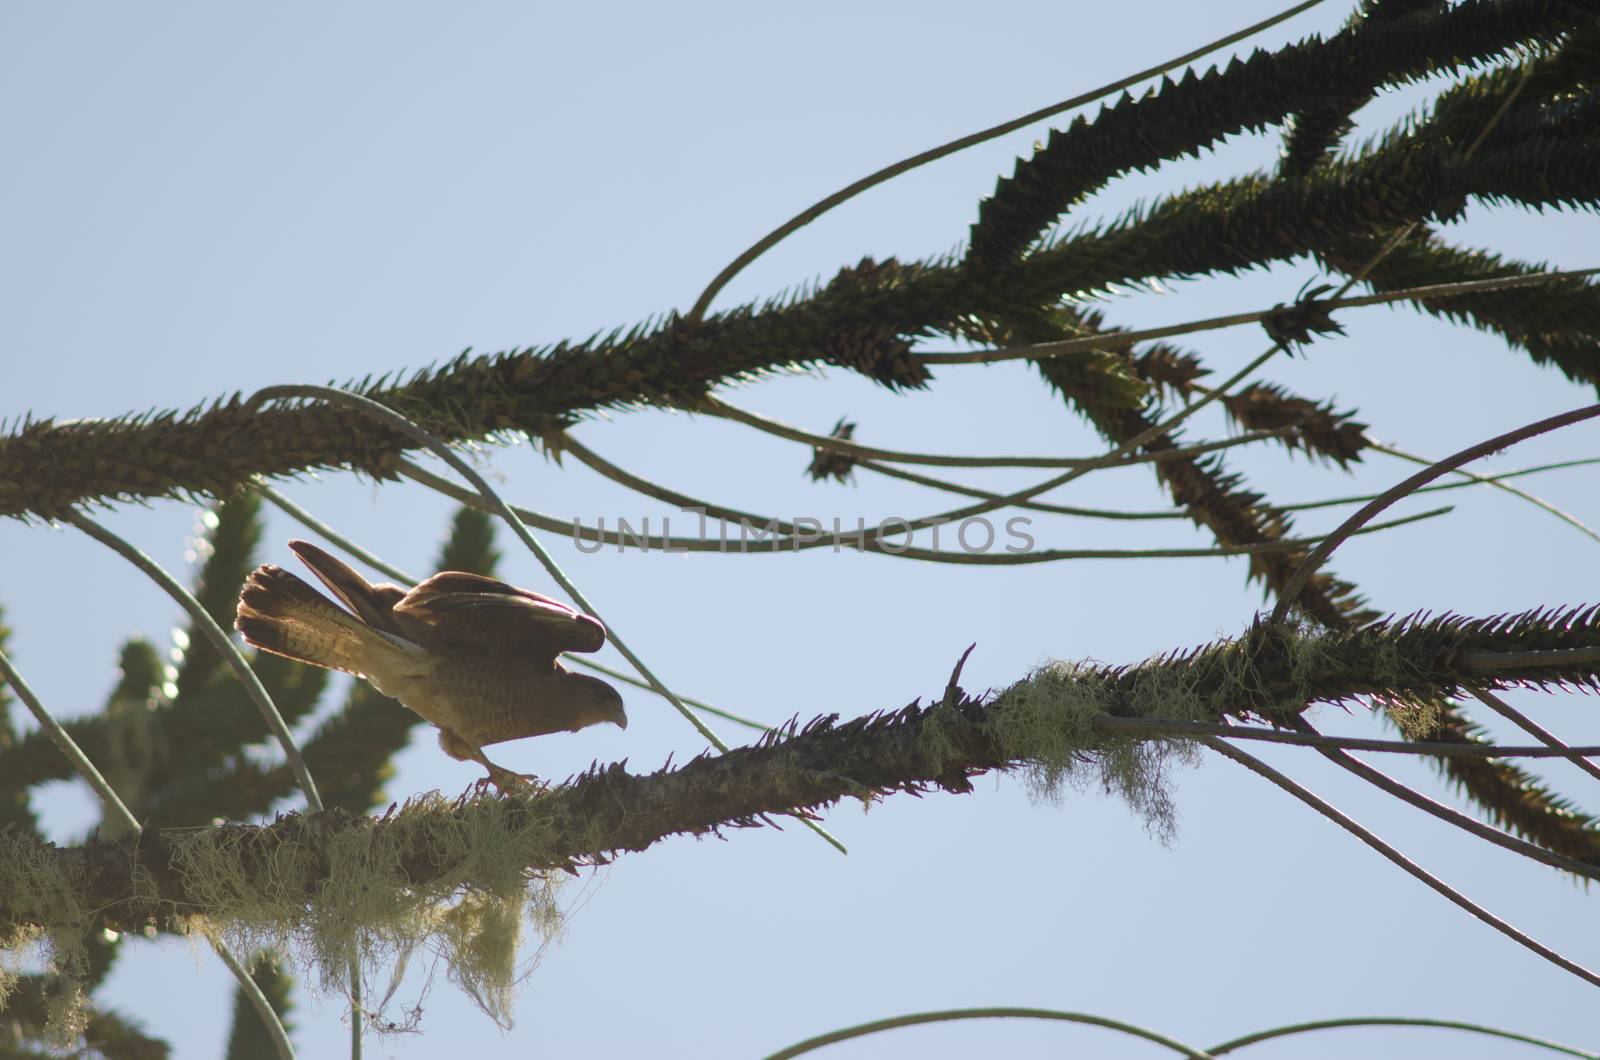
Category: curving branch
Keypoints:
(846, 447)
(1289, 596)
(1118, 339)
(770, 534)
(843, 195)
(1452, 895)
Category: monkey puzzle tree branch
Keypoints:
(1044, 725)
(1182, 117)
(865, 319)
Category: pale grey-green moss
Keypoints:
(1416, 716)
(46, 896)
(470, 913)
(1046, 722)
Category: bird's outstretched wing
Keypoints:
(470, 611)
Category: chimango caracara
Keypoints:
(475, 656)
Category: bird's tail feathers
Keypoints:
(281, 614)
(372, 603)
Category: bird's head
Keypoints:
(596, 701)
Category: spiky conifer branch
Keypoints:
(1044, 723)
(1184, 116)
(866, 318)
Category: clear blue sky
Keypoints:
(199, 199)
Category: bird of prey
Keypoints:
(474, 656)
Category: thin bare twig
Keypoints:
(1319, 555)
(1176, 513)
(269, 1016)
(796, 538)
(816, 210)
(219, 640)
(1120, 340)
(1032, 506)
(63, 740)
(946, 1015)
(311, 522)
(1491, 480)
(1383, 782)
(1398, 1021)
(914, 1019)
(1472, 480)
(1260, 768)
(1180, 727)
(1534, 729)
(1499, 660)
(538, 520)
(830, 444)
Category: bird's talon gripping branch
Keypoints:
(505, 781)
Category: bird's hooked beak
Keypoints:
(606, 701)
(618, 715)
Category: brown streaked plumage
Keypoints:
(474, 656)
